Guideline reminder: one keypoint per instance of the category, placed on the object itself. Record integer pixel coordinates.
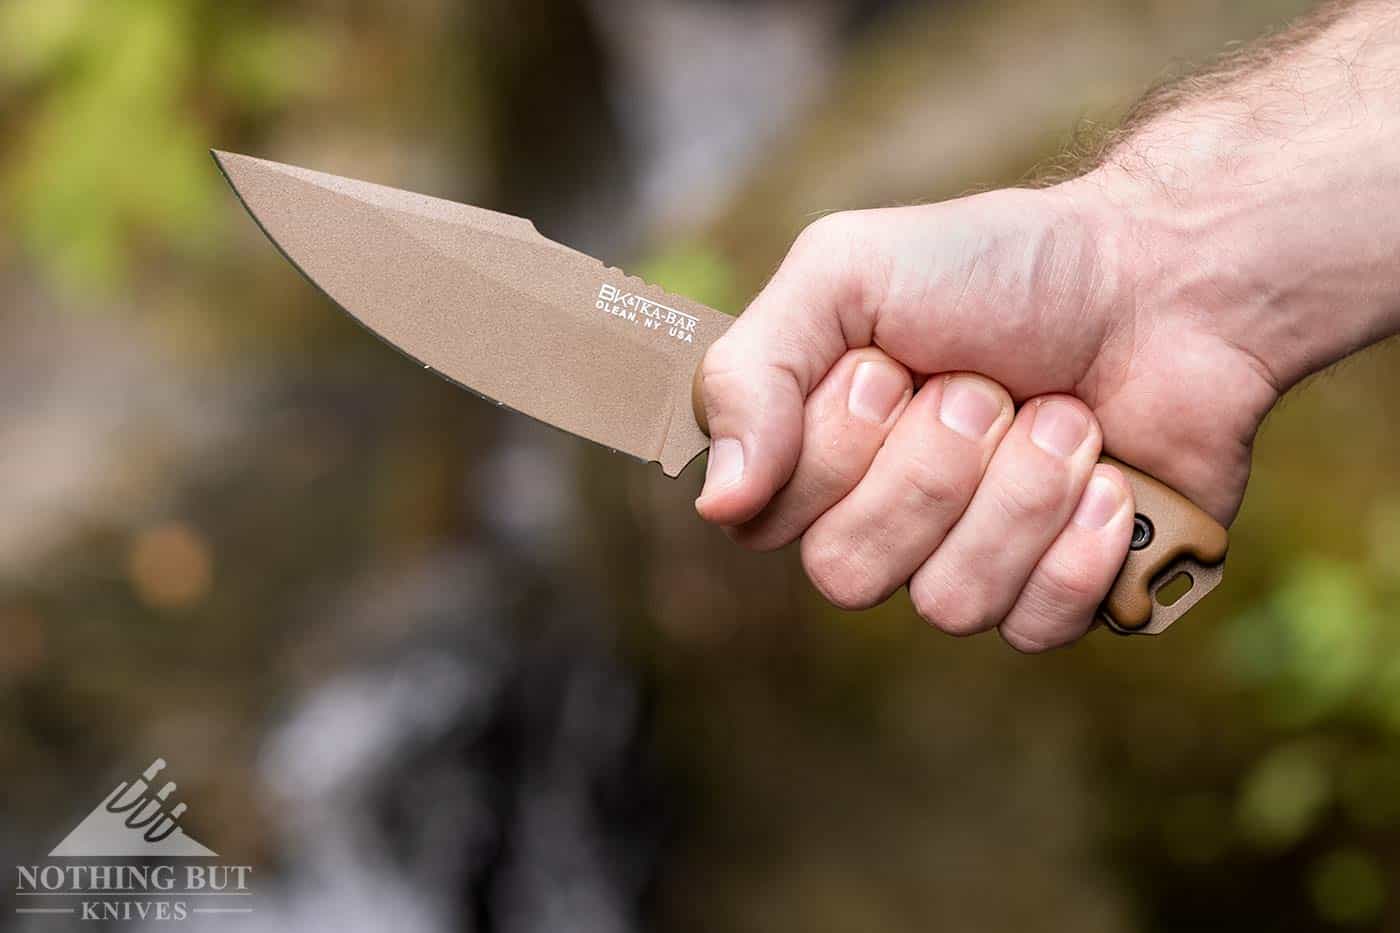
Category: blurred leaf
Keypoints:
(1314, 641)
(1348, 887)
(270, 64)
(1385, 538)
(697, 272)
(36, 34)
(111, 150)
(116, 154)
(1283, 796)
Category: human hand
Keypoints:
(1239, 235)
(993, 517)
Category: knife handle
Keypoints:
(1172, 537)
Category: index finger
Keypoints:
(755, 380)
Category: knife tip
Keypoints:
(220, 159)
(226, 159)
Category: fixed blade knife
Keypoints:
(487, 302)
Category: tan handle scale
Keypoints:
(1172, 537)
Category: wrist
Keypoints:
(1296, 265)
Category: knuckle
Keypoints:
(829, 243)
(927, 605)
(835, 248)
(1026, 644)
(826, 231)
(1048, 616)
(1033, 630)
(840, 580)
(937, 487)
(953, 611)
(837, 465)
(1067, 582)
(720, 362)
(1022, 498)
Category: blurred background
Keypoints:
(432, 667)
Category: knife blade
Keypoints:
(487, 302)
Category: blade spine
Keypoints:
(497, 403)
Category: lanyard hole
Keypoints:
(1171, 592)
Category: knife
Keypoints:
(485, 301)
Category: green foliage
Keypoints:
(1348, 887)
(35, 36)
(1323, 652)
(697, 272)
(273, 63)
(120, 94)
(1318, 647)
(111, 151)
(1284, 795)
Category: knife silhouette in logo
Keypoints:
(134, 819)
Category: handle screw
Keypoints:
(1142, 532)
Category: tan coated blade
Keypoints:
(485, 300)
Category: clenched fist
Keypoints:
(921, 396)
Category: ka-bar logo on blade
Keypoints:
(645, 313)
(119, 863)
(135, 819)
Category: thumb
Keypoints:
(754, 380)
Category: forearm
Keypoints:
(1264, 200)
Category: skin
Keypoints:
(920, 394)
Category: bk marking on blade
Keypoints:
(645, 313)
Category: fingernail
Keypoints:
(726, 466)
(1059, 428)
(969, 407)
(1100, 502)
(876, 389)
